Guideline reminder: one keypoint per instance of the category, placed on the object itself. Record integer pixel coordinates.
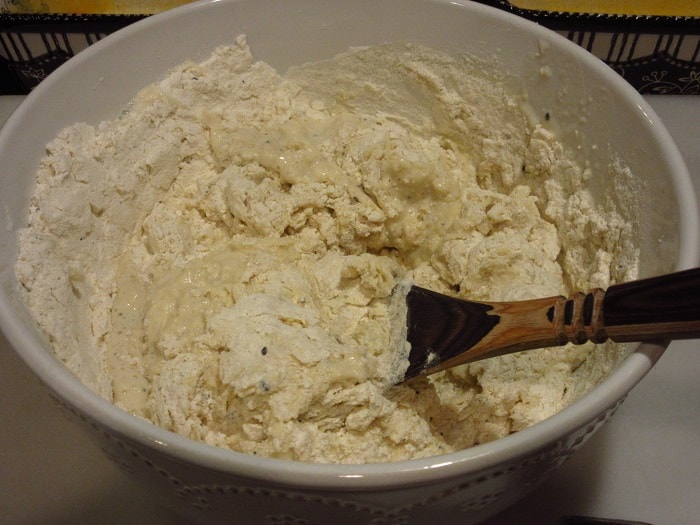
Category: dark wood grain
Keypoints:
(440, 327)
(665, 299)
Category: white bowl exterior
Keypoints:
(209, 482)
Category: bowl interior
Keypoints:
(596, 113)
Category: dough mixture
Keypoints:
(223, 253)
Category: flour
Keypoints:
(223, 255)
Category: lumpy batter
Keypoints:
(225, 252)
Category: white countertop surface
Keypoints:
(644, 465)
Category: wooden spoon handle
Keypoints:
(666, 307)
(663, 307)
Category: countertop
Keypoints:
(644, 465)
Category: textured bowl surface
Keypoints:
(599, 115)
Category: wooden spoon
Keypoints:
(444, 331)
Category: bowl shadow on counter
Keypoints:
(567, 490)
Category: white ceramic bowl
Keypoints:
(598, 113)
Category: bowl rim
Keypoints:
(68, 387)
